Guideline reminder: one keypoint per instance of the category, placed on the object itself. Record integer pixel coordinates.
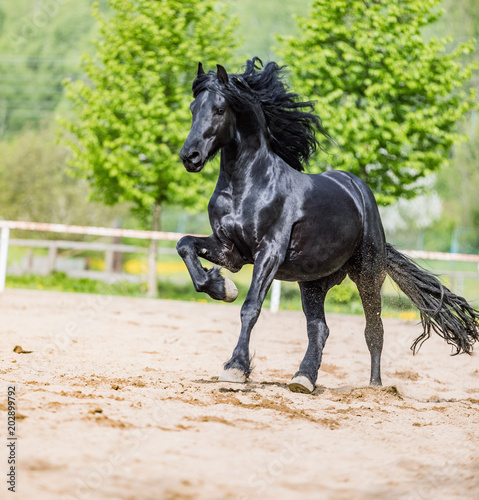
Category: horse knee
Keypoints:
(184, 245)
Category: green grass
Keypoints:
(175, 284)
(342, 299)
(60, 282)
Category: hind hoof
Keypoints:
(231, 292)
(300, 383)
(232, 375)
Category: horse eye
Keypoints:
(220, 111)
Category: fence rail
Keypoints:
(53, 247)
(78, 245)
(110, 248)
(90, 230)
(455, 257)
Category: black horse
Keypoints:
(313, 229)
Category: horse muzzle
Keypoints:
(193, 161)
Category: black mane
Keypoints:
(291, 130)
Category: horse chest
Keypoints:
(233, 226)
(238, 223)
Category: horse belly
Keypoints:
(318, 250)
(307, 268)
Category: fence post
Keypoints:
(52, 257)
(275, 296)
(153, 254)
(30, 260)
(152, 278)
(109, 258)
(3, 256)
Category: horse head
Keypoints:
(213, 120)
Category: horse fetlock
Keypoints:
(239, 362)
(200, 286)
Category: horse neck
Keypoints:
(249, 144)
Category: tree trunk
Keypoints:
(117, 257)
(152, 254)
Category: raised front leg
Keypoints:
(210, 281)
(313, 294)
(237, 369)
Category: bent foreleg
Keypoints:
(210, 281)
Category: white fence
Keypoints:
(110, 248)
(53, 246)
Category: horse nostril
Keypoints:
(194, 157)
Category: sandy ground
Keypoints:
(119, 400)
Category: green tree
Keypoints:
(132, 112)
(35, 186)
(390, 99)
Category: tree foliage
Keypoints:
(35, 186)
(390, 99)
(132, 112)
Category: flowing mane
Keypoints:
(291, 130)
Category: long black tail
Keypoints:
(449, 315)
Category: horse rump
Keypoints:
(442, 311)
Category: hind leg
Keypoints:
(374, 332)
(369, 286)
(313, 294)
(367, 268)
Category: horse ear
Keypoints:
(222, 75)
(201, 71)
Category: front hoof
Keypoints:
(233, 375)
(300, 383)
(231, 292)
